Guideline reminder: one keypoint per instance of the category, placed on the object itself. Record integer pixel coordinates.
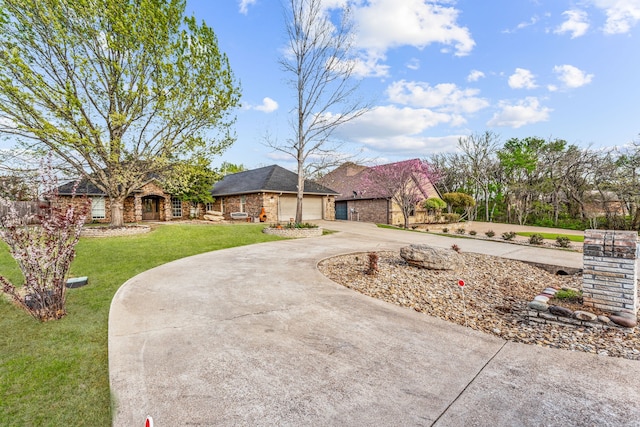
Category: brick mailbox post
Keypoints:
(610, 275)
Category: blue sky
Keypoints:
(438, 70)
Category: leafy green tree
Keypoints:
(459, 201)
(227, 168)
(519, 159)
(117, 89)
(191, 180)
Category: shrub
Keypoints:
(451, 217)
(460, 230)
(434, 204)
(294, 225)
(536, 239)
(509, 235)
(568, 295)
(490, 233)
(445, 230)
(563, 241)
(473, 232)
(455, 248)
(373, 264)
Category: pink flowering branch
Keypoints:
(403, 182)
(43, 251)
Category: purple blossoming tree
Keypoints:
(406, 183)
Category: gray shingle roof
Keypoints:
(85, 188)
(272, 179)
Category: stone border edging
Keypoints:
(293, 232)
(114, 232)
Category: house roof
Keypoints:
(85, 188)
(270, 179)
(349, 180)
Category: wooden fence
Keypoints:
(28, 210)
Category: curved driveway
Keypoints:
(257, 336)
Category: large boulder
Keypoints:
(215, 216)
(425, 256)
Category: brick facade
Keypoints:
(253, 204)
(610, 273)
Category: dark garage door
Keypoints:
(341, 210)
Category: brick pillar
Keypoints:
(610, 275)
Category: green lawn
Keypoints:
(56, 373)
(553, 236)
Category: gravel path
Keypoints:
(496, 293)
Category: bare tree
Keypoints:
(319, 62)
(479, 152)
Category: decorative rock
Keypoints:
(604, 319)
(538, 306)
(568, 288)
(425, 256)
(542, 298)
(626, 313)
(560, 311)
(549, 291)
(623, 321)
(585, 315)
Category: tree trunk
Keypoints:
(300, 192)
(117, 212)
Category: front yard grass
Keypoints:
(553, 236)
(56, 373)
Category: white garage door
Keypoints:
(311, 208)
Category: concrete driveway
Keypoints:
(257, 336)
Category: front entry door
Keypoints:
(150, 211)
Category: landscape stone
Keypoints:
(560, 311)
(585, 315)
(541, 298)
(549, 291)
(425, 256)
(538, 306)
(626, 313)
(604, 319)
(623, 321)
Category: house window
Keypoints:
(97, 208)
(208, 206)
(243, 203)
(176, 207)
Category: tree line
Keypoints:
(546, 182)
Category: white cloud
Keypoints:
(475, 75)
(386, 24)
(413, 64)
(621, 14)
(388, 121)
(414, 146)
(522, 79)
(572, 77)
(444, 97)
(244, 5)
(268, 106)
(577, 23)
(534, 20)
(525, 111)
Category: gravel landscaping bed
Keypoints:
(496, 294)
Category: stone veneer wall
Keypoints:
(610, 273)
